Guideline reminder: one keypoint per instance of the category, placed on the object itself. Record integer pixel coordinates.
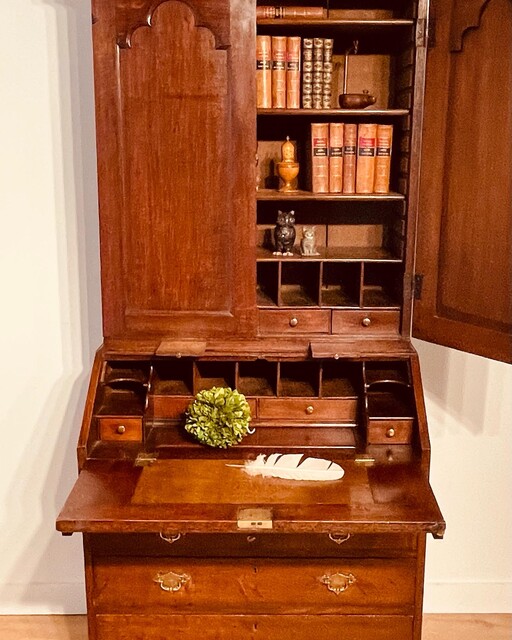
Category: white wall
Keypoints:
(50, 327)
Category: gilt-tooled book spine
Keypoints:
(320, 157)
(264, 12)
(263, 72)
(327, 74)
(383, 159)
(293, 72)
(349, 158)
(279, 72)
(307, 73)
(366, 154)
(336, 157)
(318, 72)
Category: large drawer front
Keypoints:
(123, 585)
(309, 409)
(249, 627)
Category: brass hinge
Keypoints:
(417, 286)
(421, 32)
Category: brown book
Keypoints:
(265, 12)
(336, 157)
(327, 73)
(307, 73)
(318, 70)
(320, 157)
(366, 150)
(349, 158)
(383, 158)
(293, 72)
(263, 72)
(279, 72)
(300, 12)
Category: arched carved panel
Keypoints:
(134, 14)
(466, 16)
(465, 232)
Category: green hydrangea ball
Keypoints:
(219, 417)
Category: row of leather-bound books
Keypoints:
(292, 72)
(350, 158)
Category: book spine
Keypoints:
(307, 73)
(318, 72)
(263, 72)
(279, 72)
(327, 74)
(265, 12)
(366, 154)
(349, 158)
(336, 157)
(300, 12)
(320, 158)
(293, 72)
(383, 159)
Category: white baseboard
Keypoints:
(440, 597)
(468, 597)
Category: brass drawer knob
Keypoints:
(338, 582)
(390, 433)
(121, 429)
(293, 322)
(310, 409)
(366, 322)
(171, 581)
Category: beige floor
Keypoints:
(436, 627)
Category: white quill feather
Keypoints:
(293, 466)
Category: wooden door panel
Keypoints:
(465, 232)
(176, 184)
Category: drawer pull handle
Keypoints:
(338, 582)
(121, 429)
(251, 539)
(390, 433)
(310, 409)
(171, 581)
(366, 322)
(172, 538)
(293, 322)
(339, 539)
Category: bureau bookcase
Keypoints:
(179, 542)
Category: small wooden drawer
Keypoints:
(362, 322)
(291, 321)
(170, 407)
(327, 586)
(391, 431)
(120, 428)
(262, 627)
(308, 409)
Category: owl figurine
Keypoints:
(284, 233)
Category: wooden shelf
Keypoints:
(340, 24)
(332, 254)
(273, 194)
(318, 113)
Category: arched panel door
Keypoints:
(464, 253)
(175, 120)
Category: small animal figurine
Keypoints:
(284, 233)
(308, 242)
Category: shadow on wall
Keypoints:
(462, 390)
(55, 584)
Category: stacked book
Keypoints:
(279, 77)
(350, 158)
(270, 12)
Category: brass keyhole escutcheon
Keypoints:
(310, 409)
(121, 429)
(338, 582)
(366, 322)
(293, 322)
(171, 581)
(390, 433)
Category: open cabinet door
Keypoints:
(464, 252)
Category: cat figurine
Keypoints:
(308, 242)
(284, 233)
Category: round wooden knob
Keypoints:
(310, 409)
(366, 322)
(390, 433)
(121, 429)
(293, 322)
